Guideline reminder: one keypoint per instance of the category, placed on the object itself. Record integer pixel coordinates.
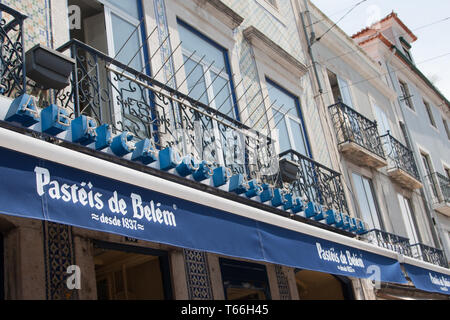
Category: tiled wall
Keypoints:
(37, 25)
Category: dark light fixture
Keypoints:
(48, 68)
(289, 170)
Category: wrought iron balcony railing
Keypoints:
(429, 254)
(389, 241)
(113, 93)
(399, 156)
(12, 56)
(316, 182)
(439, 186)
(351, 126)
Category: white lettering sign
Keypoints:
(85, 195)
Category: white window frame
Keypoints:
(377, 220)
(109, 9)
(406, 95)
(430, 115)
(410, 227)
(385, 121)
(287, 117)
(210, 93)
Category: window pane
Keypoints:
(211, 62)
(371, 202)
(128, 6)
(192, 42)
(426, 164)
(297, 135)
(221, 94)
(121, 32)
(382, 121)
(446, 128)
(407, 219)
(430, 113)
(283, 137)
(285, 108)
(366, 201)
(345, 92)
(196, 80)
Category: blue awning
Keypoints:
(35, 188)
(428, 280)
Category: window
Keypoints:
(406, 95)
(406, 47)
(430, 113)
(368, 206)
(405, 134)
(407, 53)
(131, 273)
(382, 120)
(408, 219)
(288, 120)
(114, 28)
(244, 280)
(447, 172)
(426, 163)
(273, 3)
(446, 127)
(207, 70)
(428, 172)
(340, 89)
(313, 285)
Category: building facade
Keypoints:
(423, 113)
(206, 150)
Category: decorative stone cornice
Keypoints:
(273, 50)
(217, 8)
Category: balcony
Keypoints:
(402, 246)
(12, 56)
(115, 96)
(357, 137)
(428, 254)
(401, 164)
(388, 241)
(439, 186)
(315, 181)
(128, 100)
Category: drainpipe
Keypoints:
(432, 220)
(310, 41)
(334, 155)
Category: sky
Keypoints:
(431, 51)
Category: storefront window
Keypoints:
(126, 274)
(244, 281)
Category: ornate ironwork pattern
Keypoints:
(428, 254)
(128, 100)
(399, 156)
(389, 241)
(197, 275)
(439, 186)
(351, 126)
(316, 182)
(59, 255)
(283, 283)
(12, 56)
